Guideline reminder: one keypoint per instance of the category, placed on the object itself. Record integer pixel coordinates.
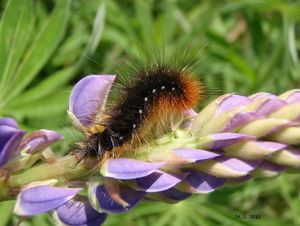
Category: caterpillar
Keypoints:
(158, 92)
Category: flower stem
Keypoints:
(66, 168)
(62, 169)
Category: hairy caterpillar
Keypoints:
(156, 93)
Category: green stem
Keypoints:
(67, 168)
(63, 169)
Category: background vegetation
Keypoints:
(249, 45)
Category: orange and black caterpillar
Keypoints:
(157, 93)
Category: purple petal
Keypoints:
(270, 106)
(39, 199)
(189, 117)
(294, 151)
(253, 150)
(175, 194)
(271, 146)
(232, 101)
(204, 183)
(262, 95)
(123, 168)
(240, 179)
(159, 181)
(10, 146)
(8, 128)
(266, 165)
(288, 157)
(294, 97)
(266, 126)
(195, 155)
(107, 204)
(79, 213)
(267, 169)
(40, 140)
(190, 113)
(238, 165)
(9, 122)
(89, 96)
(240, 119)
(223, 140)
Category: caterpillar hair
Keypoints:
(157, 92)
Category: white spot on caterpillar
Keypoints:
(163, 87)
(173, 88)
(121, 138)
(134, 126)
(154, 90)
(146, 99)
(140, 111)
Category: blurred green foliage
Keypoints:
(248, 45)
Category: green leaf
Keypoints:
(166, 24)
(122, 22)
(41, 50)
(47, 86)
(95, 38)
(58, 80)
(14, 35)
(42, 219)
(143, 14)
(56, 103)
(6, 209)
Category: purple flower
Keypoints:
(42, 198)
(227, 148)
(13, 141)
(89, 97)
(79, 212)
(39, 140)
(10, 138)
(69, 210)
(233, 139)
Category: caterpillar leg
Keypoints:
(88, 131)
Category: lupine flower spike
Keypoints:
(233, 139)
